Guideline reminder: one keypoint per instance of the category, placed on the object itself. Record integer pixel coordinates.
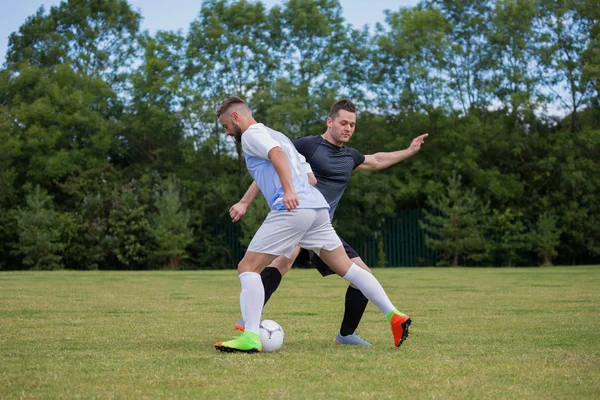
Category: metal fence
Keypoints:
(399, 239)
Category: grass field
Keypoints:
(530, 333)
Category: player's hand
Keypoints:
(415, 145)
(290, 200)
(237, 211)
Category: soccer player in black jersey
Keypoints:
(332, 163)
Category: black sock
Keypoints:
(356, 302)
(271, 277)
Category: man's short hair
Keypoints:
(344, 104)
(227, 103)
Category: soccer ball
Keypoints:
(271, 336)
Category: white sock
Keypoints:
(252, 299)
(243, 304)
(370, 287)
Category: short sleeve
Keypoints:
(357, 157)
(307, 146)
(305, 165)
(301, 144)
(257, 142)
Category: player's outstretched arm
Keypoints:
(385, 159)
(238, 210)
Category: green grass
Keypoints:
(531, 333)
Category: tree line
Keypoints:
(111, 155)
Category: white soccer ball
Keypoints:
(271, 336)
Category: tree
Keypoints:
(591, 55)
(65, 121)
(169, 226)
(409, 61)
(40, 230)
(572, 191)
(97, 38)
(10, 150)
(566, 39)
(467, 55)
(546, 237)
(153, 132)
(65, 88)
(10, 146)
(515, 75)
(128, 228)
(509, 237)
(316, 66)
(89, 197)
(228, 53)
(459, 228)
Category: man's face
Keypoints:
(232, 128)
(342, 126)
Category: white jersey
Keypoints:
(257, 141)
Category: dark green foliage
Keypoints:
(546, 238)
(89, 196)
(117, 127)
(508, 237)
(152, 137)
(128, 234)
(88, 249)
(458, 232)
(60, 123)
(41, 232)
(169, 226)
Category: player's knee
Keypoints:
(358, 261)
(245, 266)
(283, 265)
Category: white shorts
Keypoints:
(282, 231)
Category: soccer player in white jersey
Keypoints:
(299, 216)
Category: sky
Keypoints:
(177, 14)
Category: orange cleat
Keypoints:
(400, 324)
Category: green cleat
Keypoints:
(248, 342)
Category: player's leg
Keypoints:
(339, 262)
(278, 235)
(271, 278)
(354, 306)
(333, 254)
(355, 301)
(252, 299)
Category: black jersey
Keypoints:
(332, 166)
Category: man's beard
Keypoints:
(237, 134)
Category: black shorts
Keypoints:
(307, 256)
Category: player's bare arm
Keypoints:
(284, 171)
(383, 160)
(238, 210)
